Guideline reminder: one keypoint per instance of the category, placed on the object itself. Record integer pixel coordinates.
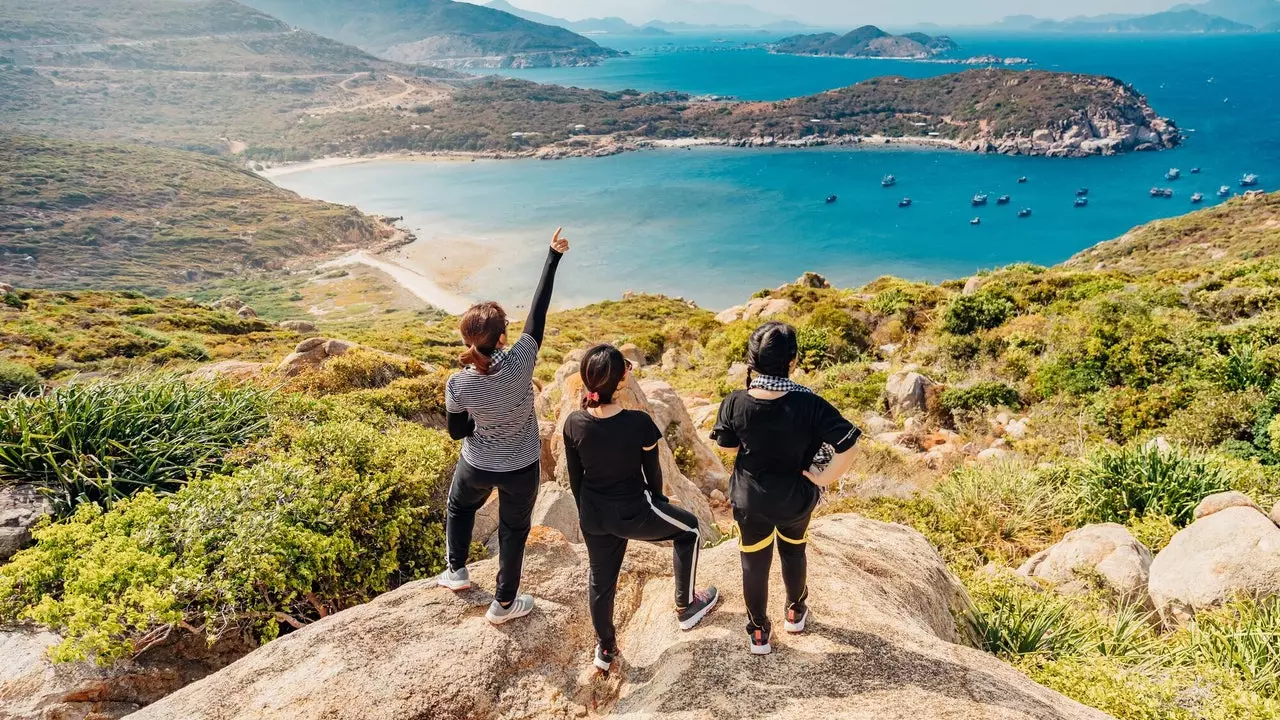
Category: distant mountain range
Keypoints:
(667, 17)
(867, 41)
(439, 32)
(612, 25)
(1214, 16)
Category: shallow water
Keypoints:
(715, 225)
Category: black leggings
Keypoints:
(517, 493)
(756, 544)
(662, 521)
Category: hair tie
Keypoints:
(593, 396)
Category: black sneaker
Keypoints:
(605, 658)
(702, 604)
(759, 639)
(797, 615)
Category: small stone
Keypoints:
(632, 352)
(301, 326)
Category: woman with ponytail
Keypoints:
(789, 442)
(616, 478)
(490, 408)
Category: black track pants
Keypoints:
(756, 544)
(517, 493)
(660, 521)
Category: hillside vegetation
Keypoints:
(84, 215)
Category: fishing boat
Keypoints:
(904, 202)
(1197, 197)
(1003, 200)
(1224, 190)
(979, 199)
(1161, 192)
(1173, 174)
(1022, 179)
(1195, 171)
(1082, 192)
(976, 221)
(1024, 212)
(831, 199)
(1249, 180)
(1081, 201)
(888, 181)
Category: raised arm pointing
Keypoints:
(535, 324)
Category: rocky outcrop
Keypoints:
(301, 326)
(634, 354)
(756, 309)
(673, 420)
(1105, 552)
(907, 392)
(311, 354)
(34, 688)
(557, 510)
(21, 508)
(629, 395)
(1233, 552)
(883, 643)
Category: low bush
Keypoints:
(17, 378)
(980, 396)
(335, 514)
(105, 441)
(357, 369)
(1004, 511)
(1215, 417)
(982, 310)
(1243, 638)
(1123, 484)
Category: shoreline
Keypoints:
(424, 287)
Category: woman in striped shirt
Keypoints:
(490, 408)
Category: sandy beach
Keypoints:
(422, 286)
(274, 171)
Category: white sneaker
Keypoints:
(454, 580)
(521, 606)
(796, 619)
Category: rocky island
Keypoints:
(867, 41)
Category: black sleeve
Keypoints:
(723, 432)
(831, 426)
(573, 461)
(651, 460)
(535, 325)
(461, 425)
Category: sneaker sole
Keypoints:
(453, 587)
(498, 620)
(796, 627)
(692, 622)
(761, 649)
(601, 665)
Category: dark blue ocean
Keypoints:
(717, 224)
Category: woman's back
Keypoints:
(501, 404)
(611, 451)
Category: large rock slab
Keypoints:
(1235, 551)
(21, 508)
(556, 509)
(1107, 550)
(882, 644)
(673, 418)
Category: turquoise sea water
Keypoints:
(717, 224)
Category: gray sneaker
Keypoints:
(454, 580)
(521, 606)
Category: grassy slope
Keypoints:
(76, 215)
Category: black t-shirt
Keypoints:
(776, 441)
(609, 454)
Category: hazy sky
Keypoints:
(857, 12)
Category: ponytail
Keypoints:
(477, 359)
(482, 327)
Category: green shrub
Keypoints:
(357, 369)
(1243, 367)
(980, 396)
(105, 441)
(17, 378)
(334, 515)
(1013, 621)
(1153, 530)
(1123, 484)
(982, 310)
(1214, 417)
